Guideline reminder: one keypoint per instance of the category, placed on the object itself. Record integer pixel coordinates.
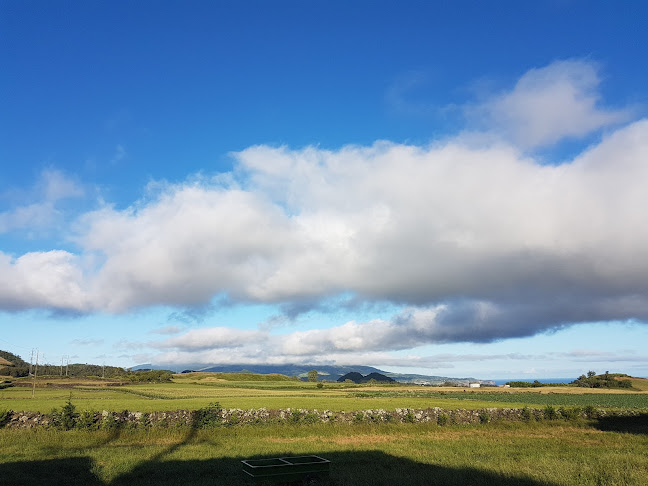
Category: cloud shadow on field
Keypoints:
(357, 468)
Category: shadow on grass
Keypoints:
(631, 425)
(357, 468)
(73, 471)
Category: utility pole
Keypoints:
(34, 376)
(61, 365)
(67, 364)
(103, 370)
(31, 361)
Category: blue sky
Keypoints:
(449, 188)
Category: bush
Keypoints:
(145, 420)
(591, 412)
(5, 416)
(68, 416)
(87, 420)
(484, 417)
(442, 419)
(110, 422)
(311, 418)
(64, 419)
(409, 417)
(207, 417)
(572, 413)
(550, 413)
(358, 417)
(6, 384)
(526, 414)
(234, 419)
(295, 417)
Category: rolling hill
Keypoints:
(325, 372)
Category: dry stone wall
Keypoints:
(233, 416)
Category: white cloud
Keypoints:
(473, 243)
(52, 187)
(212, 338)
(547, 105)
(50, 279)
(87, 342)
(167, 330)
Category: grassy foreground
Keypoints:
(527, 454)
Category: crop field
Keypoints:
(543, 453)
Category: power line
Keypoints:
(13, 345)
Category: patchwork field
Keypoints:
(195, 391)
(547, 453)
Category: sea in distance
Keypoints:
(503, 381)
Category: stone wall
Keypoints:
(225, 417)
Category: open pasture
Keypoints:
(195, 391)
(508, 454)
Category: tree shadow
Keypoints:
(631, 425)
(102, 440)
(357, 468)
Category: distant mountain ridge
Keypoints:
(356, 377)
(325, 372)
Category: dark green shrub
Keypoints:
(358, 417)
(484, 417)
(526, 414)
(442, 419)
(64, 419)
(453, 418)
(5, 384)
(570, 413)
(311, 418)
(109, 422)
(5, 416)
(295, 417)
(550, 413)
(87, 420)
(207, 417)
(409, 417)
(591, 412)
(234, 419)
(144, 420)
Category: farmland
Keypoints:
(536, 453)
(194, 391)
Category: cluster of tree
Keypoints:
(81, 370)
(606, 380)
(148, 376)
(525, 384)
(532, 384)
(12, 365)
(356, 377)
(13, 359)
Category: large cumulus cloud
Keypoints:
(474, 239)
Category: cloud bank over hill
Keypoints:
(473, 237)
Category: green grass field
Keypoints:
(547, 453)
(406, 454)
(198, 390)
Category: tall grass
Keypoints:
(534, 454)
